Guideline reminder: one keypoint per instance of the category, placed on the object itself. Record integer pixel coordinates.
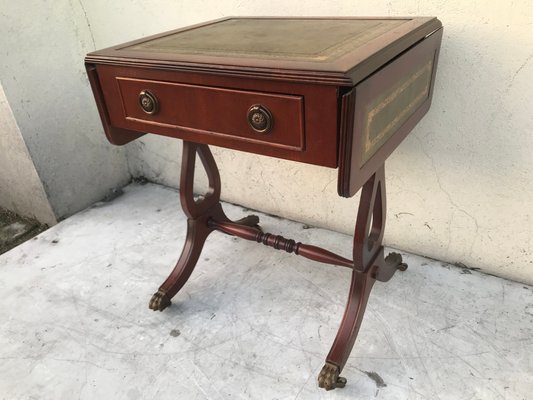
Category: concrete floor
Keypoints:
(251, 323)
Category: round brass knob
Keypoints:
(260, 118)
(148, 102)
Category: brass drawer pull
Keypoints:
(148, 102)
(260, 118)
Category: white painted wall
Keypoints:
(42, 46)
(459, 188)
(21, 189)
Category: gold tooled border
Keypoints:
(370, 144)
(333, 51)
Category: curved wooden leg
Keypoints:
(340, 350)
(197, 232)
(369, 266)
(199, 212)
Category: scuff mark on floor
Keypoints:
(175, 333)
(380, 383)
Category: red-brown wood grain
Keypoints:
(305, 115)
(213, 111)
(353, 173)
(280, 243)
(322, 109)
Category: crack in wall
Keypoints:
(88, 23)
(527, 60)
(451, 201)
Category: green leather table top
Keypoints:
(317, 40)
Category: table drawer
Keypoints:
(272, 119)
(214, 110)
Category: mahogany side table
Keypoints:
(335, 92)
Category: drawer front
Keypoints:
(213, 111)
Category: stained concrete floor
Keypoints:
(251, 323)
(15, 229)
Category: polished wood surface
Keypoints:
(198, 213)
(314, 123)
(400, 95)
(217, 111)
(280, 243)
(312, 120)
(336, 92)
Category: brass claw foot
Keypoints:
(159, 301)
(395, 259)
(329, 378)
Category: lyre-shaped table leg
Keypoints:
(198, 212)
(369, 266)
